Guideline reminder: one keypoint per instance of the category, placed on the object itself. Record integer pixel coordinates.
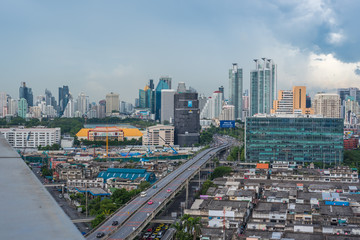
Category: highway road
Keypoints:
(137, 211)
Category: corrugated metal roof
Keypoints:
(29, 209)
(127, 173)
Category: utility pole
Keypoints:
(187, 192)
(86, 199)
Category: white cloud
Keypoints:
(335, 38)
(330, 72)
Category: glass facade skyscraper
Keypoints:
(297, 138)
(235, 89)
(262, 86)
(26, 93)
(164, 83)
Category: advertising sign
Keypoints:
(227, 124)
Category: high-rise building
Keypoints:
(352, 112)
(202, 101)
(245, 105)
(166, 79)
(235, 89)
(3, 103)
(102, 109)
(299, 138)
(50, 99)
(26, 93)
(213, 106)
(69, 111)
(221, 89)
(186, 118)
(167, 105)
(291, 101)
(12, 107)
(64, 96)
(308, 101)
(112, 103)
(327, 105)
(151, 84)
(181, 87)
(227, 113)
(22, 108)
(344, 92)
(163, 84)
(262, 86)
(83, 103)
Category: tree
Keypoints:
(98, 219)
(221, 171)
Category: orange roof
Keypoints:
(132, 132)
(262, 165)
(83, 132)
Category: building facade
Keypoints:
(25, 92)
(159, 135)
(112, 103)
(213, 106)
(31, 137)
(292, 101)
(164, 83)
(22, 108)
(186, 119)
(236, 89)
(294, 138)
(64, 97)
(262, 86)
(167, 105)
(327, 105)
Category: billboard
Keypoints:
(189, 103)
(227, 124)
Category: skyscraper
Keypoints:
(186, 118)
(262, 86)
(167, 105)
(163, 84)
(343, 93)
(213, 106)
(235, 89)
(50, 99)
(327, 105)
(64, 96)
(83, 103)
(102, 109)
(3, 103)
(22, 108)
(26, 93)
(166, 79)
(112, 103)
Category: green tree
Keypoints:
(98, 219)
(220, 172)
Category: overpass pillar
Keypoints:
(187, 193)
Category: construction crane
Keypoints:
(25, 144)
(175, 152)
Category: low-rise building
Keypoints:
(159, 135)
(21, 137)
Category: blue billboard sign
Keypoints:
(227, 124)
(189, 103)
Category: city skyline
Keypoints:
(101, 48)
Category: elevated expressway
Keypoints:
(135, 215)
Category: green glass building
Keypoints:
(297, 138)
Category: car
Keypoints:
(166, 227)
(146, 235)
(143, 194)
(149, 230)
(155, 186)
(100, 234)
(168, 190)
(150, 202)
(114, 223)
(158, 229)
(153, 236)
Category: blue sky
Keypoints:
(102, 46)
